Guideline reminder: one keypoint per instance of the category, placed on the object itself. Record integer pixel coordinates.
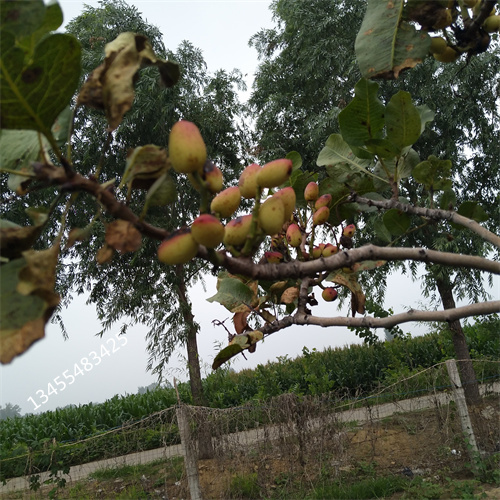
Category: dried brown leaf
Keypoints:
(123, 236)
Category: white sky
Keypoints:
(222, 30)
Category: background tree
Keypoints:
(10, 411)
(307, 70)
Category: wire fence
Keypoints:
(410, 427)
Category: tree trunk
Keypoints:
(467, 373)
(204, 435)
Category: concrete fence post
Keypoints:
(463, 412)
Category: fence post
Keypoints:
(463, 412)
(190, 454)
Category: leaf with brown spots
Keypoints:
(386, 43)
(27, 300)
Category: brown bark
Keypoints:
(205, 447)
(466, 368)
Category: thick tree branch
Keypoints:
(58, 176)
(388, 322)
(347, 258)
(434, 214)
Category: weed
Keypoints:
(244, 486)
(380, 487)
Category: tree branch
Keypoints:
(346, 258)
(388, 322)
(431, 213)
(105, 196)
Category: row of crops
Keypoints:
(40, 441)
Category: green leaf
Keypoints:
(296, 160)
(53, 18)
(396, 222)
(381, 231)
(382, 148)
(426, 115)
(338, 152)
(232, 293)
(32, 96)
(21, 17)
(448, 199)
(402, 120)
(226, 354)
(162, 192)
(363, 118)
(472, 210)
(407, 163)
(433, 173)
(386, 44)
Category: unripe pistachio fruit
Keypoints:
(329, 294)
(226, 202)
(349, 230)
(329, 250)
(323, 201)
(294, 235)
(318, 251)
(273, 257)
(321, 216)
(211, 175)
(237, 230)
(179, 248)
(287, 196)
(272, 215)
(311, 192)
(447, 56)
(207, 230)
(274, 173)
(492, 24)
(438, 45)
(186, 148)
(248, 181)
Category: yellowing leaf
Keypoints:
(238, 344)
(27, 300)
(111, 85)
(290, 295)
(123, 236)
(145, 162)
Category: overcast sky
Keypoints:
(222, 30)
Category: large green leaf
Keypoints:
(338, 153)
(396, 222)
(362, 119)
(232, 293)
(21, 17)
(402, 120)
(53, 18)
(386, 44)
(32, 95)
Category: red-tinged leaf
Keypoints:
(240, 321)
